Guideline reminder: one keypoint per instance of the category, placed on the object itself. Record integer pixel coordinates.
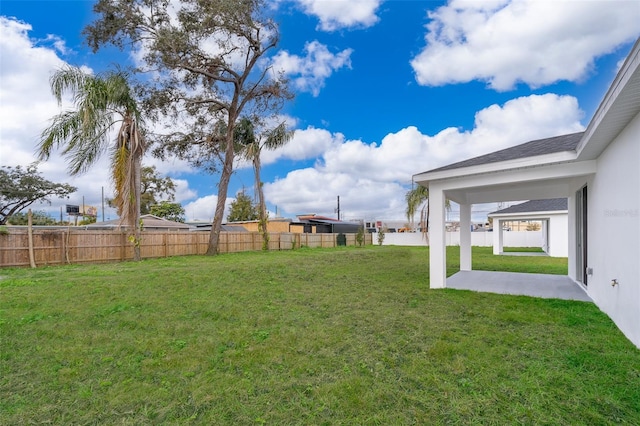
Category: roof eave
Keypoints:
(539, 160)
(615, 109)
(528, 214)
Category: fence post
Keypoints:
(32, 260)
(123, 242)
(62, 247)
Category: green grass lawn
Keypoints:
(313, 336)
(522, 249)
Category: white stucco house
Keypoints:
(552, 213)
(598, 170)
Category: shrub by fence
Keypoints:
(60, 246)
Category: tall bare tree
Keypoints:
(205, 58)
(101, 103)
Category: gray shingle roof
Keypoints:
(528, 149)
(149, 221)
(233, 228)
(549, 205)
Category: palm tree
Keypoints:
(416, 197)
(101, 102)
(251, 146)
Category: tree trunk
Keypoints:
(227, 170)
(262, 209)
(137, 182)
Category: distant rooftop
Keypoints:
(548, 205)
(149, 221)
(315, 217)
(528, 149)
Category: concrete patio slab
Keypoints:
(534, 285)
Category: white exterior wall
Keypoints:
(482, 239)
(613, 218)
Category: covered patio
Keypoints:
(541, 169)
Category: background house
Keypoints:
(314, 224)
(149, 223)
(278, 224)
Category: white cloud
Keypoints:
(337, 14)
(305, 144)
(203, 209)
(183, 192)
(310, 72)
(373, 178)
(505, 42)
(314, 190)
(59, 44)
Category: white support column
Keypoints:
(437, 243)
(465, 237)
(498, 238)
(572, 238)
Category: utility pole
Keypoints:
(338, 209)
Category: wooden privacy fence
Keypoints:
(55, 247)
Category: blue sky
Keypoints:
(384, 90)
